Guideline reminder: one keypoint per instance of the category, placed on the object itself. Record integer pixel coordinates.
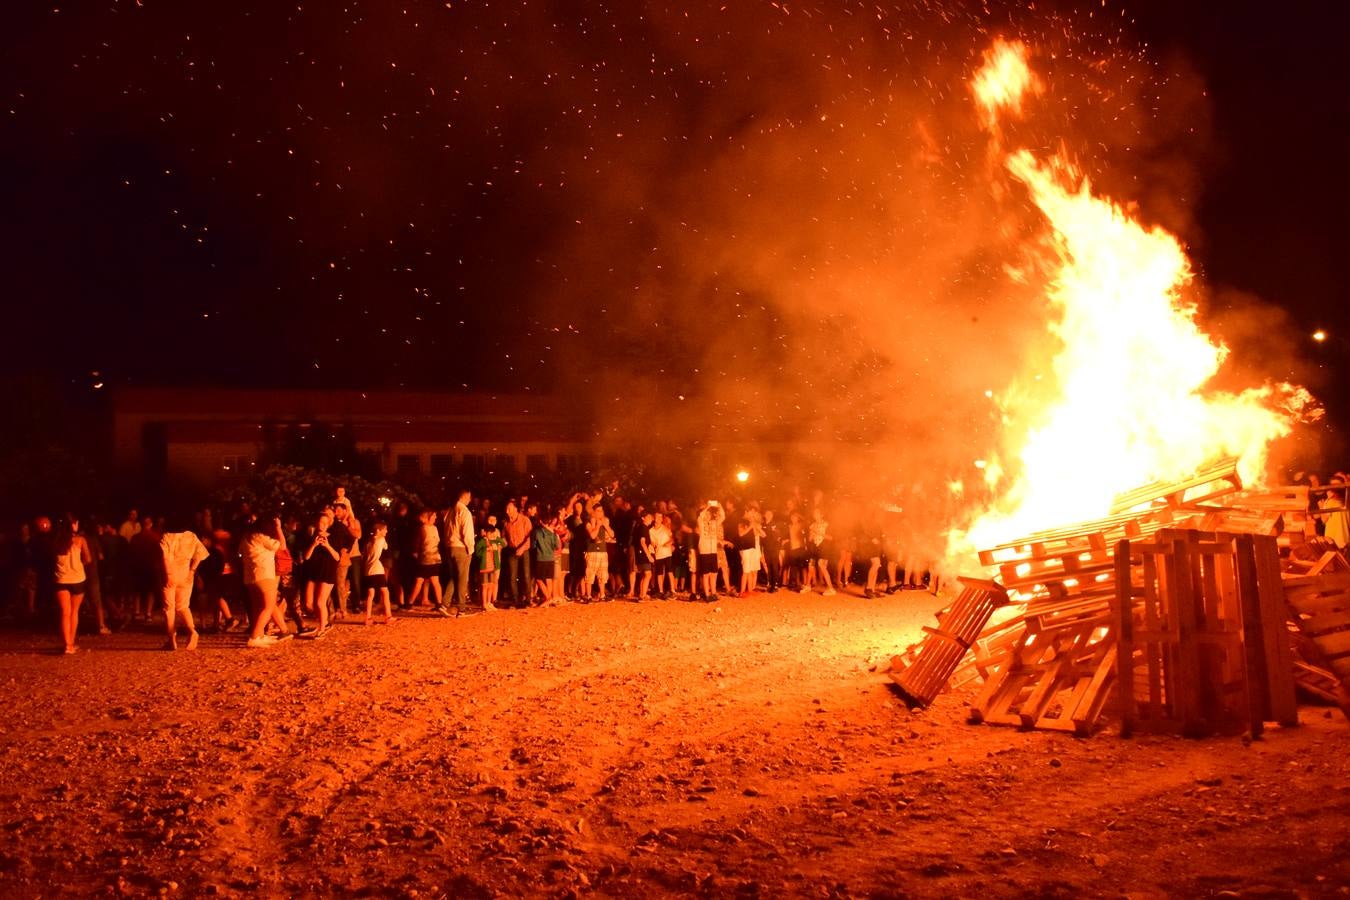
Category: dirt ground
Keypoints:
(752, 747)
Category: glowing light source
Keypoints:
(386, 502)
(742, 476)
(1319, 335)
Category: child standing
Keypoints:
(376, 557)
(487, 555)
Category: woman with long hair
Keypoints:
(320, 570)
(262, 540)
(72, 556)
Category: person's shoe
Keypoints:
(307, 633)
(171, 643)
(443, 612)
(804, 590)
(284, 636)
(104, 630)
(259, 643)
(192, 641)
(828, 592)
(71, 649)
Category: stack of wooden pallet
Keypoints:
(1319, 602)
(1200, 634)
(1174, 603)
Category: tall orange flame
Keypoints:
(1126, 401)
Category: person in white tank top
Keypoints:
(72, 555)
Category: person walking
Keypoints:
(183, 552)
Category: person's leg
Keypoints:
(461, 558)
(170, 612)
(388, 608)
(592, 575)
(357, 582)
(63, 600)
(322, 591)
(512, 575)
(95, 591)
(182, 598)
(370, 600)
(266, 606)
(343, 589)
(255, 609)
(824, 569)
(75, 600)
(434, 587)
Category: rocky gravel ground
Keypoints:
(751, 747)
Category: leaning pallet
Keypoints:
(1320, 606)
(921, 681)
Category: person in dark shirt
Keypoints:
(643, 554)
(341, 539)
(772, 544)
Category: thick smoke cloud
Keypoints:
(829, 257)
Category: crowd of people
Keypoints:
(278, 576)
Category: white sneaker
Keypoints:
(260, 642)
(828, 592)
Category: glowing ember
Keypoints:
(1127, 402)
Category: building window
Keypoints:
(408, 464)
(567, 462)
(442, 464)
(504, 463)
(474, 464)
(536, 463)
(236, 466)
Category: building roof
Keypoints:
(292, 404)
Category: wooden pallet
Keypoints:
(942, 651)
(1265, 635)
(1207, 485)
(1320, 606)
(1235, 520)
(1312, 562)
(1178, 629)
(1057, 677)
(1318, 682)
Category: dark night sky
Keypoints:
(374, 194)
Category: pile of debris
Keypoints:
(1196, 607)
